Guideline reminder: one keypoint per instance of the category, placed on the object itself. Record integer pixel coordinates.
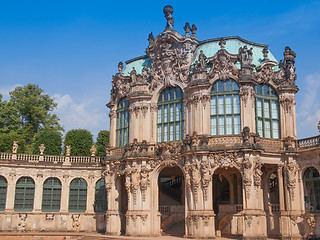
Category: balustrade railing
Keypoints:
(309, 142)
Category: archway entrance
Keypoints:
(172, 201)
(227, 200)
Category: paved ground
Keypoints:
(77, 236)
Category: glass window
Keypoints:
(311, 182)
(3, 193)
(170, 125)
(78, 195)
(51, 195)
(122, 128)
(100, 203)
(225, 108)
(24, 196)
(267, 112)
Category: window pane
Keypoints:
(171, 112)
(178, 136)
(267, 129)
(220, 86)
(220, 104)
(229, 125)
(236, 104)
(275, 129)
(237, 124)
(228, 85)
(178, 112)
(213, 105)
(259, 107)
(213, 125)
(221, 125)
(228, 104)
(266, 109)
(171, 132)
(165, 132)
(274, 110)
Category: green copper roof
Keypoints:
(209, 47)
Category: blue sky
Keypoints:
(71, 48)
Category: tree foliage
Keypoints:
(51, 139)
(80, 141)
(102, 140)
(28, 111)
(6, 142)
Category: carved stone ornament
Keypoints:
(226, 160)
(68, 150)
(22, 222)
(245, 56)
(223, 66)
(265, 75)
(286, 76)
(41, 148)
(291, 171)
(311, 220)
(75, 222)
(107, 173)
(144, 180)
(15, 147)
(168, 10)
(49, 216)
(120, 86)
(287, 102)
(93, 150)
(206, 176)
(247, 173)
(257, 174)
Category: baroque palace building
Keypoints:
(202, 142)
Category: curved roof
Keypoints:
(209, 47)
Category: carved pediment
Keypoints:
(120, 85)
(171, 55)
(223, 66)
(265, 74)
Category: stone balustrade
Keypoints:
(309, 142)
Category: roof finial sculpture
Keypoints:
(168, 10)
(222, 42)
(151, 38)
(194, 29)
(265, 52)
(187, 29)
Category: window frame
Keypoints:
(28, 189)
(100, 197)
(3, 192)
(54, 190)
(75, 202)
(121, 112)
(165, 100)
(267, 98)
(214, 94)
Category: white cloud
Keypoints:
(308, 112)
(84, 114)
(5, 90)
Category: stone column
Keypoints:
(287, 113)
(247, 104)
(65, 194)
(254, 226)
(113, 125)
(11, 187)
(90, 195)
(38, 193)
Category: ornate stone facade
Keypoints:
(213, 181)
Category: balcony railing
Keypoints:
(309, 142)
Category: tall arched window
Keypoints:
(78, 195)
(122, 129)
(267, 112)
(311, 182)
(100, 203)
(51, 196)
(170, 115)
(24, 194)
(3, 193)
(225, 108)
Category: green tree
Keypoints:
(80, 141)
(51, 139)
(34, 109)
(9, 117)
(102, 140)
(6, 142)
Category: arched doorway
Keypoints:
(272, 200)
(123, 202)
(172, 201)
(227, 200)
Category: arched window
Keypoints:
(311, 182)
(267, 112)
(3, 193)
(24, 194)
(122, 129)
(51, 196)
(78, 195)
(100, 203)
(170, 115)
(225, 108)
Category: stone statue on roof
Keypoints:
(168, 10)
